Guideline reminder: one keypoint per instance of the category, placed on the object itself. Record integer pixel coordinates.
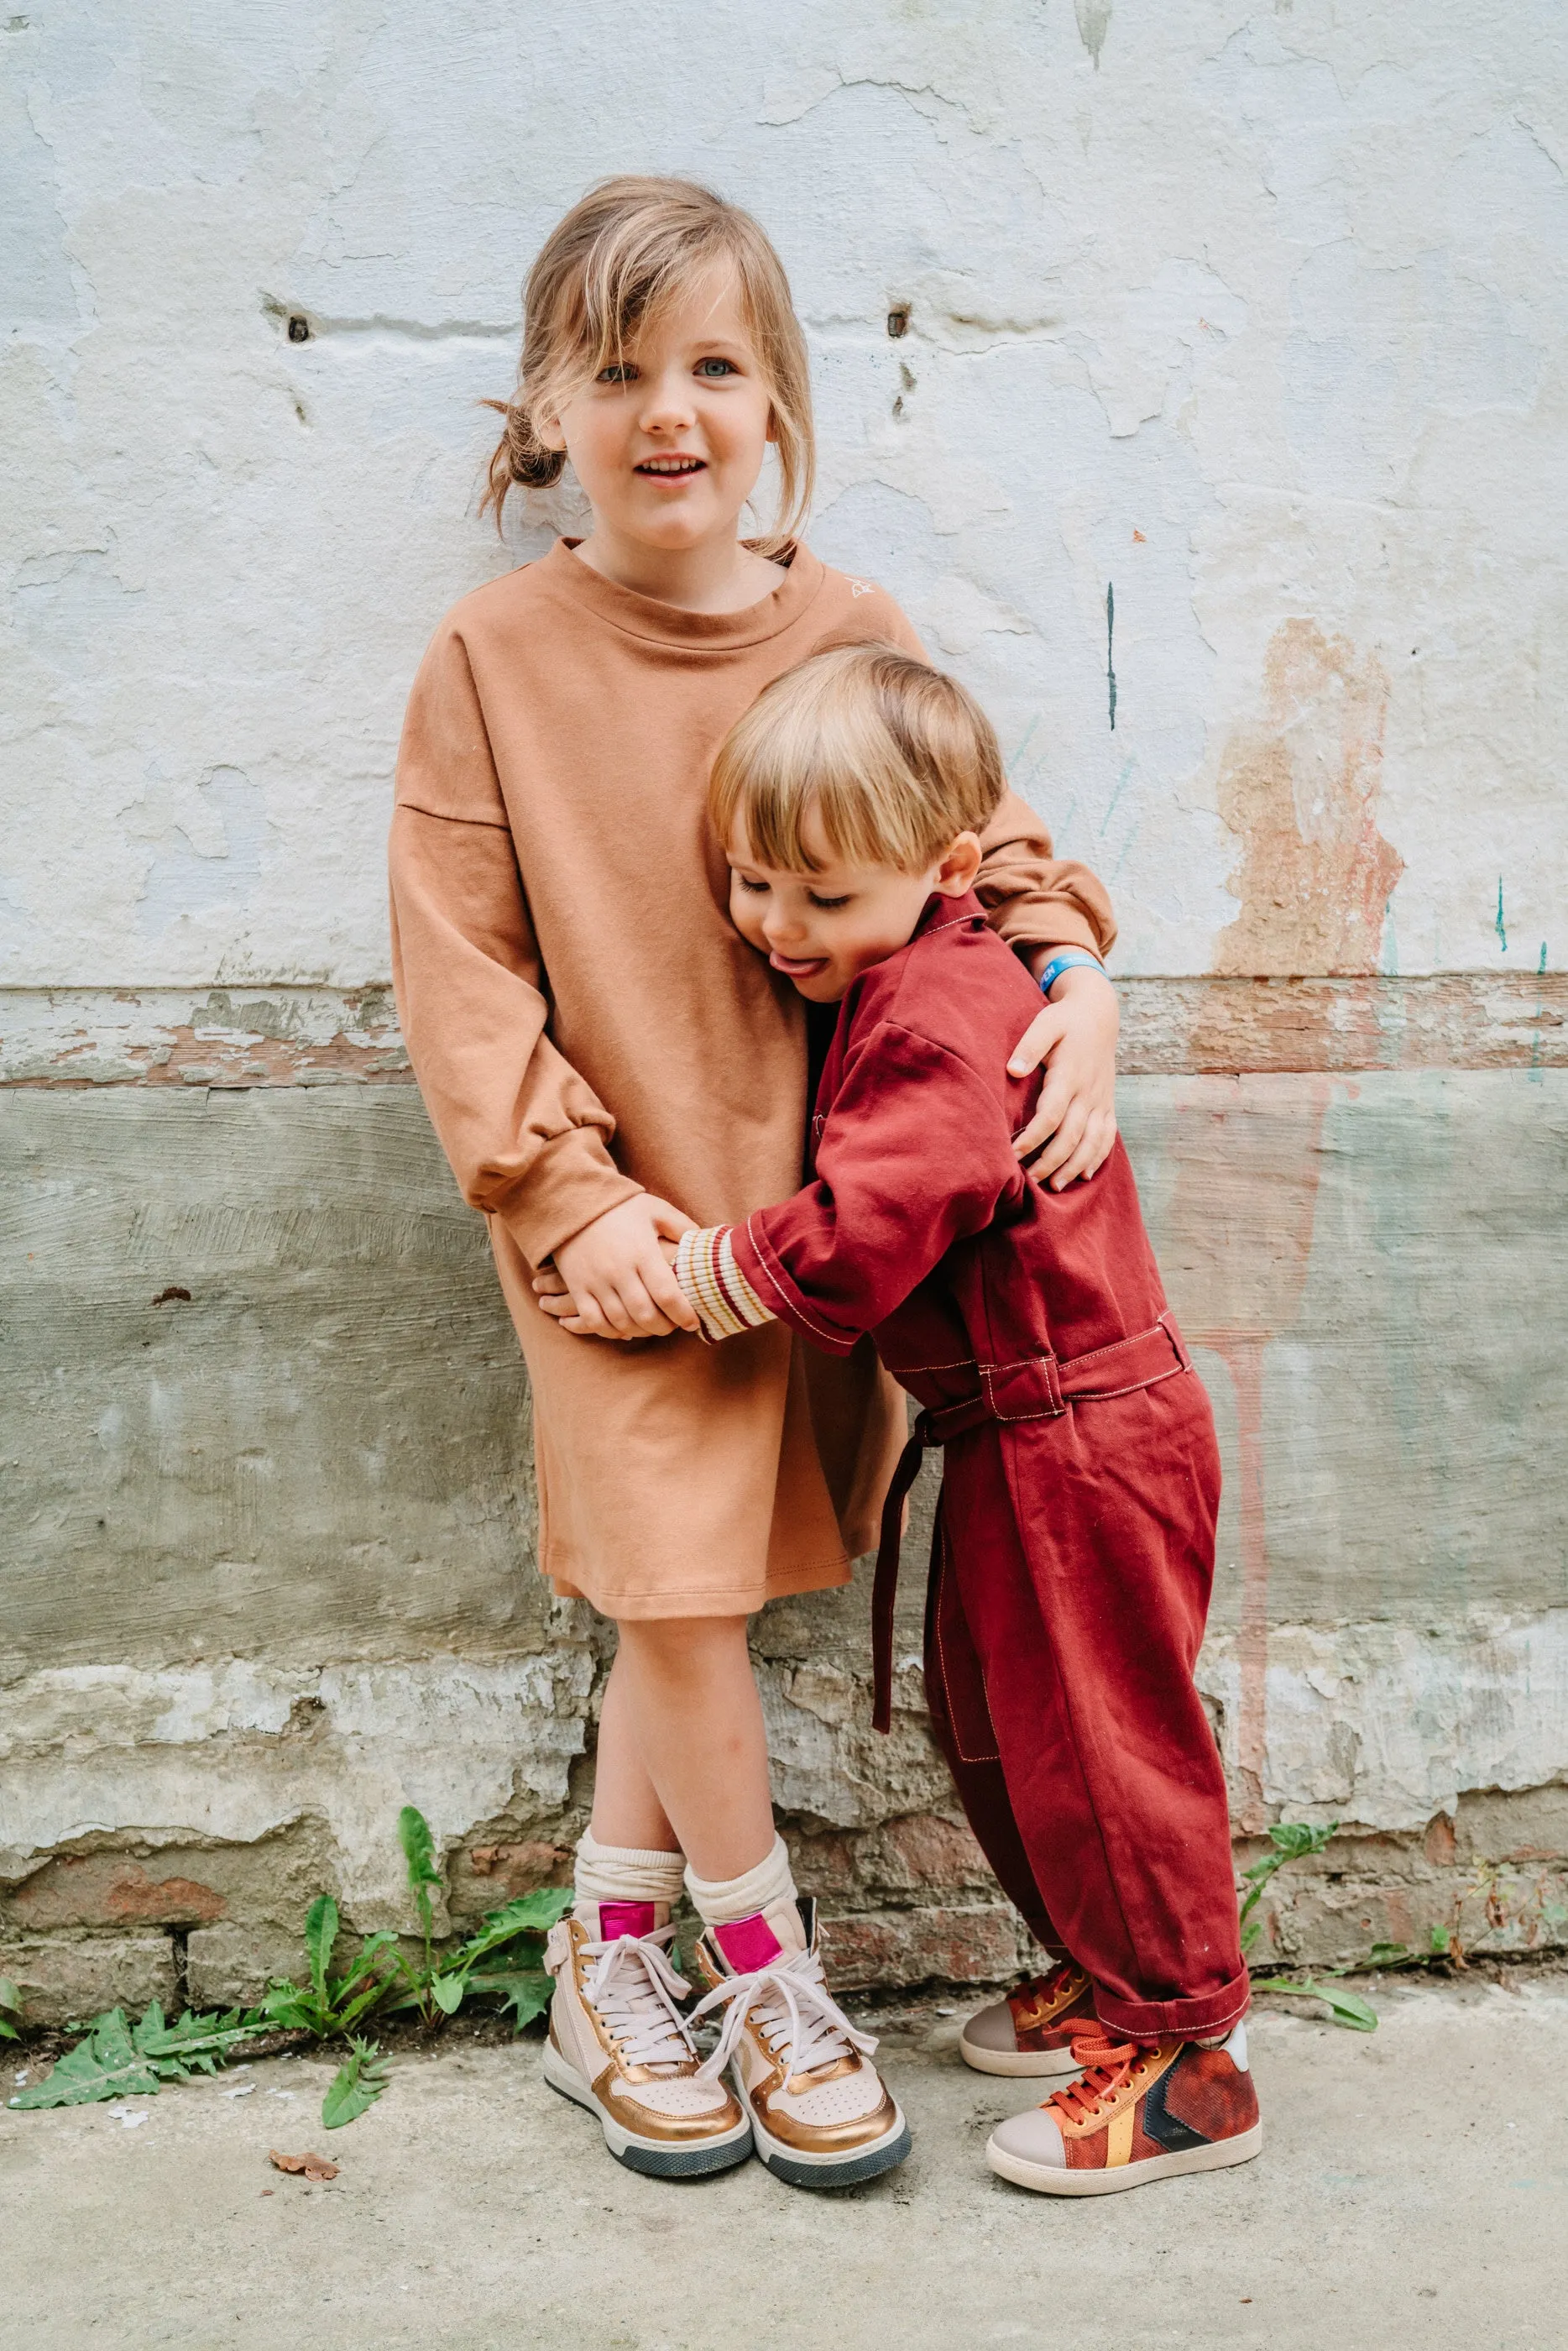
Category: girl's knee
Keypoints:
(687, 1646)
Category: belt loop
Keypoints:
(1172, 1331)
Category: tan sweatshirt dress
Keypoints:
(586, 1023)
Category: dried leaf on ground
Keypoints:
(312, 2166)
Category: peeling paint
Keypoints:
(1301, 792)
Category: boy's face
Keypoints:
(823, 929)
(668, 443)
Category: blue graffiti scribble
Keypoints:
(1501, 933)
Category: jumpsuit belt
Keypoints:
(1042, 1387)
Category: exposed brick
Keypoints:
(486, 1876)
(104, 1889)
(897, 1947)
(66, 1977)
(231, 1967)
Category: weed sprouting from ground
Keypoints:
(501, 1960)
(1294, 1841)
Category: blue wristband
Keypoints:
(1069, 960)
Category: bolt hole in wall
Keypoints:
(298, 329)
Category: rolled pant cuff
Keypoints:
(1193, 2020)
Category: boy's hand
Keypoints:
(1075, 1118)
(612, 1280)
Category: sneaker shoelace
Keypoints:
(1043, 1990)
(790, 2001)
(633, 1987)
(1106, 2065)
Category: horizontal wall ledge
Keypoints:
(270, 1035)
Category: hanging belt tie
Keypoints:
(1040, 1388)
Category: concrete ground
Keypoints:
(1414, 2191)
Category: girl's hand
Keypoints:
(613, 1280)
(1075, 1118)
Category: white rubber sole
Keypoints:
(656, 2157)
(1051, 2180)
(803, 2170)
(1036, 2064)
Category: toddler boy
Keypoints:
(1075, 1538)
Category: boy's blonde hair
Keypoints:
(893, 757)
(629, 248)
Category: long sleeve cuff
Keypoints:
(725, 1302)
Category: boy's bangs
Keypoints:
(829, 756)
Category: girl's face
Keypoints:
(823, 929)
(668, 445)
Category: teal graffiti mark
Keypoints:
(1535, 1078)
(1110, 633)
(1024, 745)
(1121, 786)
(1501, 933)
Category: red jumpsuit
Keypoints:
(1075, 1542)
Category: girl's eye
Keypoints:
(713, 368)
(757, 888)
(826, 905)
(621, 373)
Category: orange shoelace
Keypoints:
(1106, 2065)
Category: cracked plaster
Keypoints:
(1258, 315)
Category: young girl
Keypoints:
(567, 975)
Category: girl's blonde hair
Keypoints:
(892, 757)
(629, 248)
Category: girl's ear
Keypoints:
(960, 864)
(548, 432)
(772, 433)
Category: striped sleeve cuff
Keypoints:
(725, 1302)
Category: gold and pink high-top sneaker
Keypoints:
(619, 2046)
(821, 2115)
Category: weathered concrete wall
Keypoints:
(1223, 454)
(269, 1573)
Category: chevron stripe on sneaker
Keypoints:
(1138, 2111)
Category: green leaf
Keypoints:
(418, 1848)
(320, 1934)
(8, 2031)
(364, 1962)
(524, 1990)
(530, 1914)
(356, 2087)
(447, 1991)
(10, 1997)
(105, 2066)
(293, 2010)
(1346, 2008)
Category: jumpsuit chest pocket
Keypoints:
(955, 1686)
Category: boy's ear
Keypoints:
(960, 864)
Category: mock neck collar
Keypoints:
(670, 624)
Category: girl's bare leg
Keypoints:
(626, 1809)
(682, 1752)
